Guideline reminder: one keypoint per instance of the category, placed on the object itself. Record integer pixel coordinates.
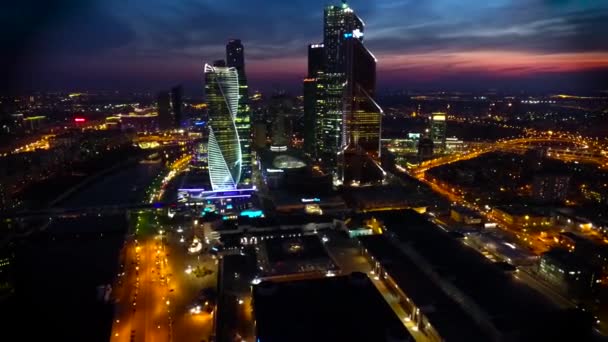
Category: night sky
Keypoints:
(430, 44)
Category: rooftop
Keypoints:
(498, 294)
(290, 255)
(343, 308)
(445, 315)
(567, 260)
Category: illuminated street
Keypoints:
(154, 299)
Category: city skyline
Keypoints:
(443, 44)
(405, 173)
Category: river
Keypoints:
(121, 187)
(57, 271)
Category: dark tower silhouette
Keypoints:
(177, 105)
(235, 57)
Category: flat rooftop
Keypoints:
(445, 315)
(519, 210)
(466, 211)
(294, 254)
(370, 197)
(343, 308)
(508, 303)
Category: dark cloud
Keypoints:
(583, 31)
(176, 36)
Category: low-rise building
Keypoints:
(524, 216)
(568, 272)
(465, 215)
(327, 309)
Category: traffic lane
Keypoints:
(532, 281)
(123, 320)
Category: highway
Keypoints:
(598, 156)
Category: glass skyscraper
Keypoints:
(346, 113)
(235, 57)
(311, 92)
(438, 130)
(362, 115)
(224, 148)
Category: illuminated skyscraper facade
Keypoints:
(224, 148)
(438, 130)
(362, 115)
(346, 113)
(235, 57)
(316, 54)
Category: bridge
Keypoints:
(579, 151)
(160, 140)
(90, 210)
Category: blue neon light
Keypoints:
(229, 206)
(348, 35)
(252, 213)
(199, 123)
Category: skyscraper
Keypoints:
(438, 130)
(315, 59)
(346, 113)
(235, 55)
(338, 22)
(310, 115)
(224, 148)
(176, 105)
(163, 103)
(311, 82)
(362, 115)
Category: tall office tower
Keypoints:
(340, 23)
(224, 147)
(438, 130)
(336, 23)
(235, 56)
(315, 59)
(362, 115)
(315, 70)
(310, 115)
(177, 105)
(163, 103)
(347, 113)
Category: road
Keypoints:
(517, 143)
(155, 293)
(526, 276)
(142, 310)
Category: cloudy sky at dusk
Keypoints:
(146, 44)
